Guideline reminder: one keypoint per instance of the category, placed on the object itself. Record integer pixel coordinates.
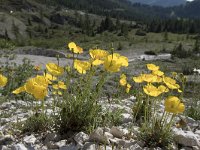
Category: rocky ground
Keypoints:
(122, 137)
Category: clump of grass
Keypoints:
(39, 122)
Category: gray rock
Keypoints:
(51, 145)
(132, 98)
(19, 146)
(135, 130)
(5, 120)
(7, 139)
(129, 143)
(126, 117)
(29, 139)
(186, 148)
(61, 143)
(89, 146)
(6, 105)
(81, 138)
(195, 147)
(105, 147)
(116, 132)
(186, 138)
(3, 147)
(109, 135)
(55, 137)
(140, 143)
(197, 132)
(69, 147)
(122, 143)
(106, 129)
(98, 136)
(136, 147)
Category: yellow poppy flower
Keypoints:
(40, 92)
(152, 67)
(173, 105)
(159, 79)
(74, 48)
(3, 80)
(97, 62)
(114, 62)
(49, 77)
(138, 79)
(122, 80)
(163, 89)
(124, 61)
(82, 66)
(171, 83)
(158, 73)
(57, 93)
(60, 85)
(37, 87)
(98, 54)
(54, 69)
(150, 78)
(151, 90)
(128, 86)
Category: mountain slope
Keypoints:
(164, 3)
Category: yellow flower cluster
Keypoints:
(111, 62)
(38, 86)
(123, 82)
(172, 104)
(156, 76)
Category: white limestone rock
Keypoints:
(30, 139)
(19, 146)
(55, 137)
(99, 136)
(126, 117)
(89, 146)
(81, 138)
(136, 147)
(117, 132)
(186, 138)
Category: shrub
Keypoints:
(140, 32)
(75, 89)
(180, 52)
(39, 122)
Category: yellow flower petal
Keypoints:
(3, 80)
(54, 69)
(152, 67)
(152, 90)
(138, 79)
(19, 90)
(81, 66)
